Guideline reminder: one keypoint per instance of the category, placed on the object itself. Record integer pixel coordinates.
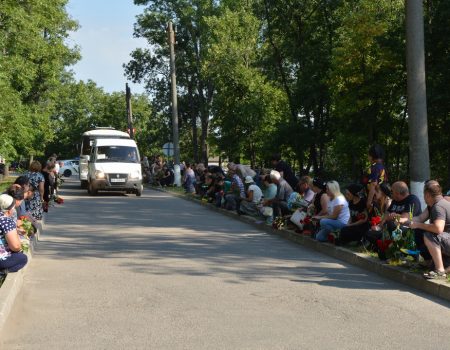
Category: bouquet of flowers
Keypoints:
(375, 221)
(26, 230)
(296, 201)
(384, 244)
(278, 223)
(26, 226)
(308, 226)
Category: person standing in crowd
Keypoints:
(189, 179)
(47, 172)
(34, 204)
(284, 169)
(376, 174)
(56, 174)
(11, 257)
(338, 212)
(437, 231)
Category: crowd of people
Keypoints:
(22, 207)
(384, 218)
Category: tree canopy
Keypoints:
(319, 81)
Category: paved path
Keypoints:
(157, 272)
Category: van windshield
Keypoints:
(122, 154)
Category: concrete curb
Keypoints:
(14, 281)
(439, 289)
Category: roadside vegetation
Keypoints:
(318, 81)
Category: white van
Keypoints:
(87, 141)
(114, 165)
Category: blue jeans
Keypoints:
(14, 262)
(327, 226)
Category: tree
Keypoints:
(33, 56)
(246, 107)
(151, 65)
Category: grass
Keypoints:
(6, 182)
(174, 189)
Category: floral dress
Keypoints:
(34, 205)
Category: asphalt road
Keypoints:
(157, 272)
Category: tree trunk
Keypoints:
(193, 115)
(417, 102)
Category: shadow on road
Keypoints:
(146, 234)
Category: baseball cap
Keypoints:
(248, 180)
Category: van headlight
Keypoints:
(135, 175)
(99, 174)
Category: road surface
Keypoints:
(158, 272)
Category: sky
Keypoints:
(105, 38)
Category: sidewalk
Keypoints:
(14, 281)
(439, 289)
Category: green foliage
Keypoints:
(368, 81)
(319, 81)
(151, 66)
(33, 55)
(82, 106)
(247, 108)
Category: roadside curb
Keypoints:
(439, 289)
(14, 281)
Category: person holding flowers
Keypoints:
(11, 257)
(437, 231)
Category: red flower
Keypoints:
(384, 245)
(306, 220)
(375, 221)
(331, 238)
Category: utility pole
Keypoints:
(173, 80)
(129, 112)
(417, 100)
